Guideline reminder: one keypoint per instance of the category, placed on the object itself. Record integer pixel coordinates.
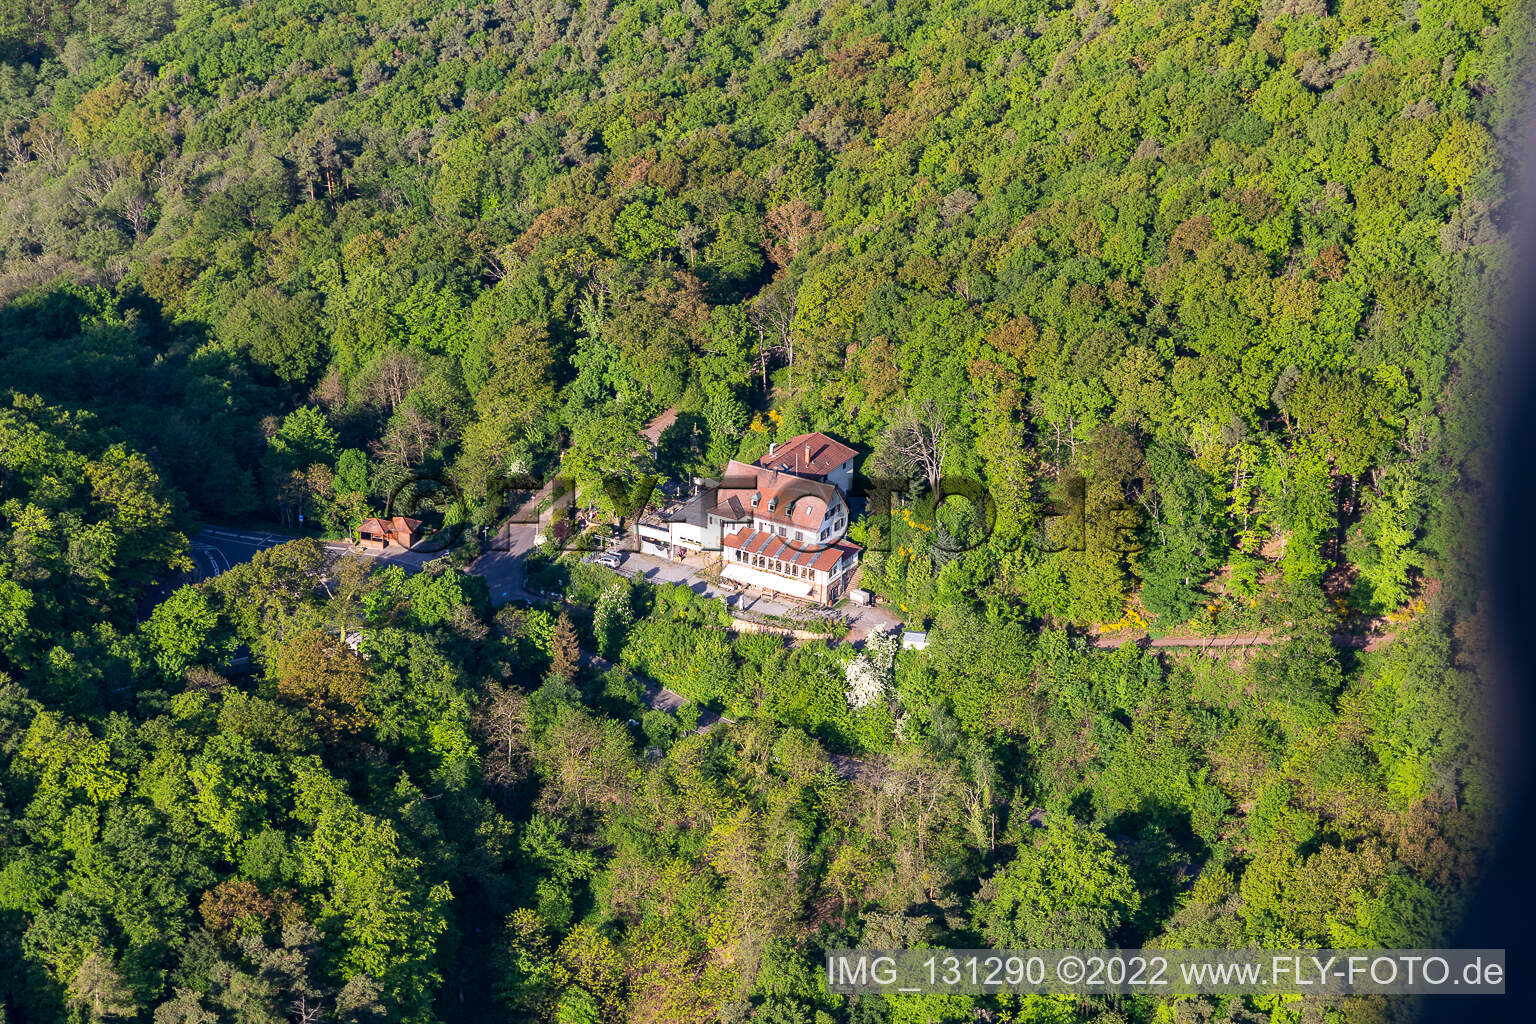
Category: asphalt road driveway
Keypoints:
(219, 548)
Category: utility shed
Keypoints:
(384, 533)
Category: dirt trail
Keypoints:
(1262, 638)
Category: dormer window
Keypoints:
(756, 497)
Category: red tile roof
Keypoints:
(781, 497)
(808, 455)
(390, 527)
(769, 545)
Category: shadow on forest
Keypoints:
(1164, 856)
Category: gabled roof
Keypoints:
(781, 497)
(770, 545)
(808, 455)
(397, 524)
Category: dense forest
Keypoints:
(1202, 292)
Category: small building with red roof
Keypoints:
(383, 534)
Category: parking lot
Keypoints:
(864, 620)
(215, 549)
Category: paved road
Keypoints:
(216, 549)
(660, 570)
(219, 548)
(502, 566)
(659, 698)
(862, 620)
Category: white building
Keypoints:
(814, 456)
(779, 525)
(760, 559)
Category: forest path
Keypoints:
(1368, 641)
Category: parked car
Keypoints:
(611, 560)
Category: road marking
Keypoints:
(212, 557)
(244, 538)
